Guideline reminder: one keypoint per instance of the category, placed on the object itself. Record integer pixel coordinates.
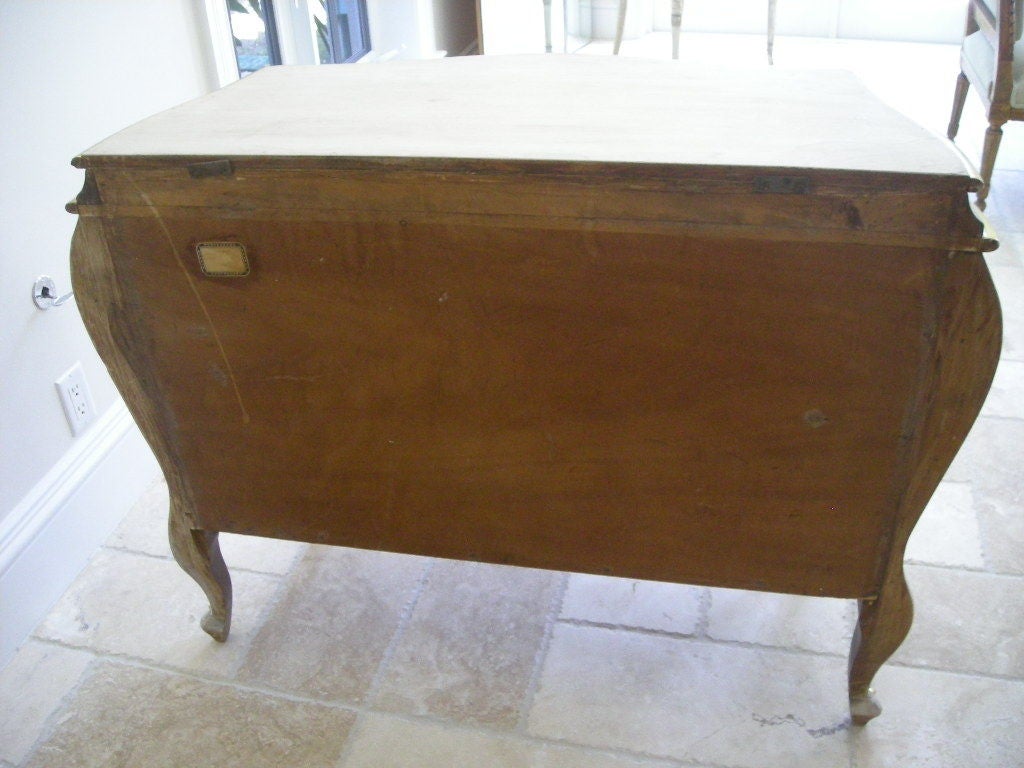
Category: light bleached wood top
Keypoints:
(554, 108)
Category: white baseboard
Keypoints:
(47, 539)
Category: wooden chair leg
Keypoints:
(620, 27)
(959, 97)
(677, 24)
(771, 31)
(547, 26)
(882, 624)
(993, 136)
(198, 553)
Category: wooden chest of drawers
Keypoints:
(593, 315)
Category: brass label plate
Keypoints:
(223, 259)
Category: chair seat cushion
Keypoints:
(979, 61)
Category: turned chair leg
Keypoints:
(620, 27)
(882, 624)
(198, 553)
(677, 23)
(771, 31)
(547, 26)
(993, 136)
(959, 97)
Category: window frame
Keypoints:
(222, 49)
(361, 31)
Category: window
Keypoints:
(265, 32)
(342, 30)
(254, 34)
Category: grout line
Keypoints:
(702, 639)
(997, 417)
(264, 614)
(956, 672)
(977, 571)
(984, 541)
(378, 676)
(55, 717)
(550, 619)
(223, 682)
(231, 568)
(403, 623)
(703, 613)
(458, 728)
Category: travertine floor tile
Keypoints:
(469, 650)
(253, 553)
(941, 720)
(963, 621)
(991, 461)
(32, 686)
(328, 634)
(389, 742)
(150, 609)
(630, 603)
(144, 529)
(124, 716)
(817, 624)
(1010, 287)
(1005, 207)
(948, 531)
(1010, 252)
(1006, 398)
(692, 700)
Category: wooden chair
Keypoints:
(677, 23)
(992, 59)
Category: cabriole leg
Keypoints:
(882, 624)
(198, 553)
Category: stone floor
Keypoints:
(353, 659)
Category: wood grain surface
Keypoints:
(666, 405)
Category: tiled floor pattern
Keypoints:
(353, 659)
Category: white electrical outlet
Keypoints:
(74, 395)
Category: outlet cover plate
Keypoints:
(76, 398)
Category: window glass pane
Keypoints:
(342, 29)
(254, 35)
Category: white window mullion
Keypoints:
(221, 45)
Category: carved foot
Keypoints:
(198, 553)
(864, 707)
(216, 627)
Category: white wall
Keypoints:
(71, 73)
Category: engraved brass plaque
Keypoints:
(223, 259)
